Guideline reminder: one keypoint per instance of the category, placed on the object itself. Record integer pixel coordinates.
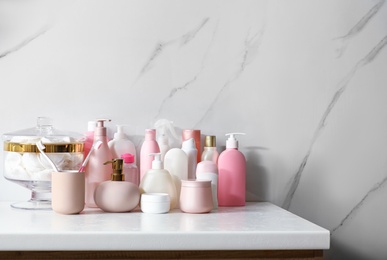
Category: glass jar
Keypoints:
(25, 165)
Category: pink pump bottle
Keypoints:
(96, 172)
(232, 174)
(149, 146)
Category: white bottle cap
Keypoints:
(120, 133)
(189, 144)
(231, 141)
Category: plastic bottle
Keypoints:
(117, 195)
(130, 170)
(195, 134)
(232, 174)
(96, 171)
(148, 146)
(189, 148)
(176, 162)
(89, 137)
(159, 180)
(208, 170)
(209, 152)
(121, 144)
(165, 135)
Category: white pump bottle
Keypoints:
(121, 144)
(159, 180)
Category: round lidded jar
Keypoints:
(196, 196)
(157, 203)
(25, 165)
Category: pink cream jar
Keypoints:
(196, 196)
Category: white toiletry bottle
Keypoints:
(176, 162)
(121, 144)
(95, 171)
(159, 180)
(189, 148)
(210, 153)
(165, 135)
(208, 170)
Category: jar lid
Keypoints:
(155, 197)
(196, 183)
(55, 141)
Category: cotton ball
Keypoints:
(44, 175)
(31, 163)
(13, 167)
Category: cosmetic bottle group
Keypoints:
(165, 176)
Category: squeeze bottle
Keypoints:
(232, 174)
(121, 144)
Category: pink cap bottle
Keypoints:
(148, 146)
(130, 170)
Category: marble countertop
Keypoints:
(257, 226)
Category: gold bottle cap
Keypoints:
(210, 141)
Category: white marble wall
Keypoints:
(305, 79)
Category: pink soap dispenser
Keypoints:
(95, 171)
(117, 195)
(232, 174)
(149, 146)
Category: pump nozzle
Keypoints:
(100, 128)
(120, 132)
(157, 164)
(232, 142)
(117, 165)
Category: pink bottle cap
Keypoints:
(128, 158)
(206, 166)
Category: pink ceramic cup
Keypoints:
(68, 192)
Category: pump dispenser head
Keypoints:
(157, 164)
(100, 129)
(231, 141)
(117, 165)
(120, 132)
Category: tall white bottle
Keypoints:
(189, 148)
(121, 144)
(176, 162)
(159, 180)
(95, 171)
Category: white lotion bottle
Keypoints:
(176, 162)
(121, 144)
(209, 152)
(117, 195)
(189, 148)
(159, 180)
(208, 170)
(165, 135)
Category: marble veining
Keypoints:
(342, 86)
(359, 26)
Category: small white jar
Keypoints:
(156, 203)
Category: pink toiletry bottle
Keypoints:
(130, 170)
(96, 171)
(148, 146)
(232, 174)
